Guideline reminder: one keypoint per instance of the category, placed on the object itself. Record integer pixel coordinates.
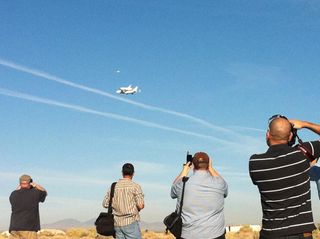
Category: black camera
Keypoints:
(189, 158)
(294, 136)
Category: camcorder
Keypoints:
(189, 157)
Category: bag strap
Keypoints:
(113, 185)
(306, 152)
(184, 180)
(304, 149)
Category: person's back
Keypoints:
(25, 209)
(203, 207)
(25, 219)
(282, 177)
(126, 204)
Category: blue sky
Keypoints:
(211, 74)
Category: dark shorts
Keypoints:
(298, 236)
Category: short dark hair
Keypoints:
(127, 169)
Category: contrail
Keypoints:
(82, 109)
(103, 93)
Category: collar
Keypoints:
(126, 179)
(202, 172)
(277, 147)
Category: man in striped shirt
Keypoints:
(126, 204)
(282, 177)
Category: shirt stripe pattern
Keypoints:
(127, 196)
(282, 177)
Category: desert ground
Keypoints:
(244, 233)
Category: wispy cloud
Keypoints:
(78, 108)
(251, 76)
(45, 175)
(151, 168)
(241, 128)
(50, 77)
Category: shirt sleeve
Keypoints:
(224, 187)
(139, 197)
(314, 147)
(105, 202)
(42, 195)
(250, 173)
(176, 188)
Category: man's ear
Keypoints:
(268, 138)
(268, 135)
(290, 136)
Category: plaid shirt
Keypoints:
(127, 196)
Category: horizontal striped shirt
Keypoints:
(128, 196)
(282, 177)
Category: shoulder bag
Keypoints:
(105, 221)
(173, 222)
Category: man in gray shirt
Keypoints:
(203, 206)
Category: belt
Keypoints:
(307, 234)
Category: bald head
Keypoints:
(279, 131)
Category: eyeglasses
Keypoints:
(276, 117)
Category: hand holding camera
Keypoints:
(189, 159)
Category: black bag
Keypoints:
(105, 221)
(173, 221)
(105, 224)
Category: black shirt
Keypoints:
(282, 177)
(25, 209)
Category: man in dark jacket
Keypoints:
(25, 220)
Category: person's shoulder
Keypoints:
(14, 193)
(135, 184)
(217, 179)
(312, 143)
(179, 180)
(257, 156)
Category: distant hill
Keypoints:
(70, 222)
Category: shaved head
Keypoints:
(280, 130)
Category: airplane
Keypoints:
(128, 90)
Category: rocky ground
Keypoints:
(244, 233)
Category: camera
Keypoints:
(189, 158)
(294, 136)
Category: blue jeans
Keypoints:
(315, 176)
(131, 231)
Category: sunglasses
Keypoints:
(276, 117)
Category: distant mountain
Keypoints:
(70, 222)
